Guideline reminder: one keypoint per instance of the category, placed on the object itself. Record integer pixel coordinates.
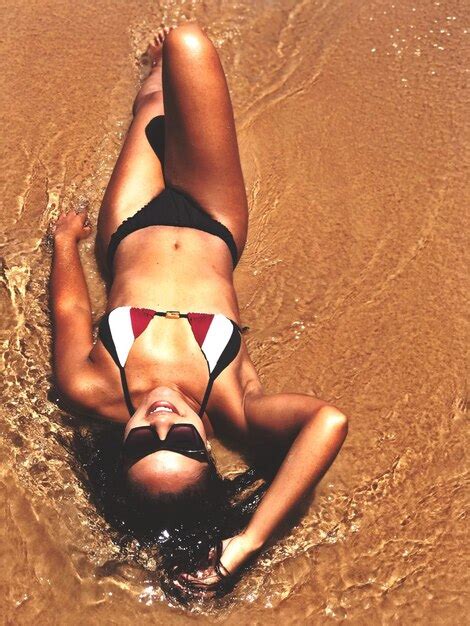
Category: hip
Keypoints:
(172, 209)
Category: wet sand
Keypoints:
(353, 130)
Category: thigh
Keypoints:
(137, 176)
(201, 151)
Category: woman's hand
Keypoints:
(220, 568)
(72, 226)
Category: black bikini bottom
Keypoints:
(170, 207)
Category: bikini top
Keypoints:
(218, 337)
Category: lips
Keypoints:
(162, 406)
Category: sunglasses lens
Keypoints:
(139, 443)
(182, 438)
(185, 437)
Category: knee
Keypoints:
(334, 420)
(150, 98)
(187, 38)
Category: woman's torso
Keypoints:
(169, 268)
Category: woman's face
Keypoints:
(165, 470)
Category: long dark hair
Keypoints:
(176, 529)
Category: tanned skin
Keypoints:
(170, 268)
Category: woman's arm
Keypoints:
(70, 308)
(316, 432)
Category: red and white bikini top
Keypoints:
(218, 337)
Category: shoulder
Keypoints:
(85, 389)
(80, 384)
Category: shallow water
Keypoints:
(353, 130)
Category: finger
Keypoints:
(191, 593)
(186, 592)
(86, 232)
(200, 583)
(195, 588)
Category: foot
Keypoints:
(151, 81)
(153, 55)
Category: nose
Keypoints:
(162, 424)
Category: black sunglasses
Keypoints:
(182, 438)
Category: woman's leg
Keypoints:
(137, 176)
(201, 151)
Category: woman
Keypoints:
(170, 361)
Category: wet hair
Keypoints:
(173, 530)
